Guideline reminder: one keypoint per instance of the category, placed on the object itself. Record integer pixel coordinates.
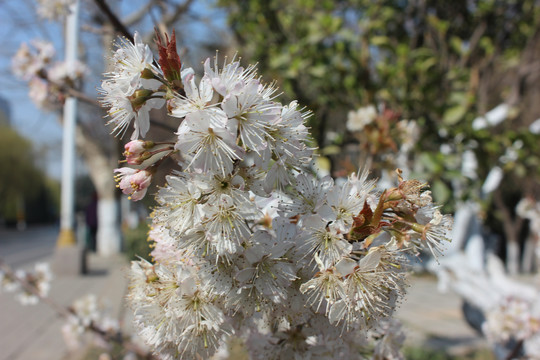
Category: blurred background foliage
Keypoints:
(441, 63)
(136, 243)
(27, 194)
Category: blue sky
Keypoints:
(21, 24)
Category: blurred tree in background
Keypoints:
(26, 192)
(443, 64)
(101, 23)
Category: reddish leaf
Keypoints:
(168, 58)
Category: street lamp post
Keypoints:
(68, 257)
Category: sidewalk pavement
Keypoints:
(430, 319)
(434, 320)
(34, 332)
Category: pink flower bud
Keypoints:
(136, 151)
(133, 182)
(135, 146)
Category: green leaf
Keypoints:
(441, 192)
(454, 114)
(430, 161)
(331, 150)
(457, 44)
(318, 71)
(426, 64)
(379, 40)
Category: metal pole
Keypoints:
(67, 208)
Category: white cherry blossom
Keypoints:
(247, 240)
(209, 148)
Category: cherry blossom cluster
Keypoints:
(47, 78)
(248, 241)
(88, 319)
(510, 309)
(39, 279)
(381, 132)
(88, 312)
(53, 9)
(515, 319)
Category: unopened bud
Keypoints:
(136, 151)
(139, 97)
(147, 74)
(169, 60)
(418, 228)
(393, 194)
(138, 146)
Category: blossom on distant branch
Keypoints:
(28, 286)
(357, 120)
(53, 9)
(87, 312)
(48, 80)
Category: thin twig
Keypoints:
(91, 101)
(115, 21)
(62, 311)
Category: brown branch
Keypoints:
(89, 100)
(420, 7)
(31, 289)
(93, 29)
(136, 16)
(515, 351)
(81, 96)
(475, 38)
(175, 15)
(115, 21)
(68, 90)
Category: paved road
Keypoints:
(23, 248)
(434, 320)
(34, 332)
(430, 318)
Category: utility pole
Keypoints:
(66, 244)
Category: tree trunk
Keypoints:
(101, 167)
(529, 255)
(512, 229)
(109, 240)
(512, 256)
